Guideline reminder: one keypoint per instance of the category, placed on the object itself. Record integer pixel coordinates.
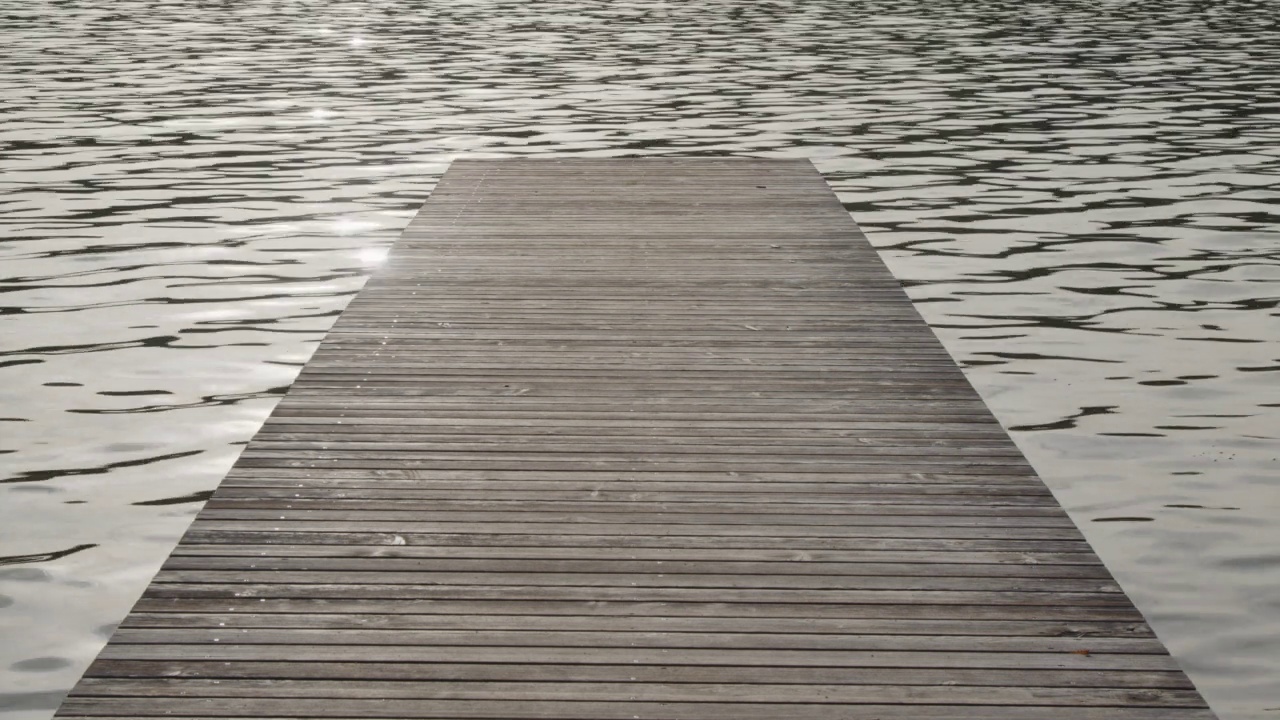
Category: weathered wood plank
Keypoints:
(535, 654)
(633, 624)
(691, 607)
(638, 506)
(761, 692)
(986, 677)
(578, 580)
(612, 439)
(613, 566)
(183, 708)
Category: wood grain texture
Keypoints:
(651, 439)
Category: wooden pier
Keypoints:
(616, 439)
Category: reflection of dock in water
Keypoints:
(633, 438)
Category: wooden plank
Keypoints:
(480, 591)
(771, 510)
(701, 569)
(633, 438)
(799, 676)
(760, 692)
(904, 496)
(187, 708)
(836, 643)
(374, 655)
(897, 559)
(575, 581)
(559, 529)
(706, 608)
(632, 624)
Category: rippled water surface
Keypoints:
(1082, 196)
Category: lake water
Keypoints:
(1081, 196)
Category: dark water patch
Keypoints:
(1131, 434)
(1223, 340)
(1123, 518)
(40, 664)
(165, 269)
(1117, 290)
(166, 341)
(993, 337)
(15, 363)
(257, 323)
(1038, 356)
(42, 475)
(158, 341)
(173, 300)
(204, 402)
(132, 393)
(1069, 421)
(43, 557)
(63, 384)
(1086, 324)
(195, 497)
(252, 325)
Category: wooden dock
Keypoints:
(616, 439)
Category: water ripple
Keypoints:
(1080, 196)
